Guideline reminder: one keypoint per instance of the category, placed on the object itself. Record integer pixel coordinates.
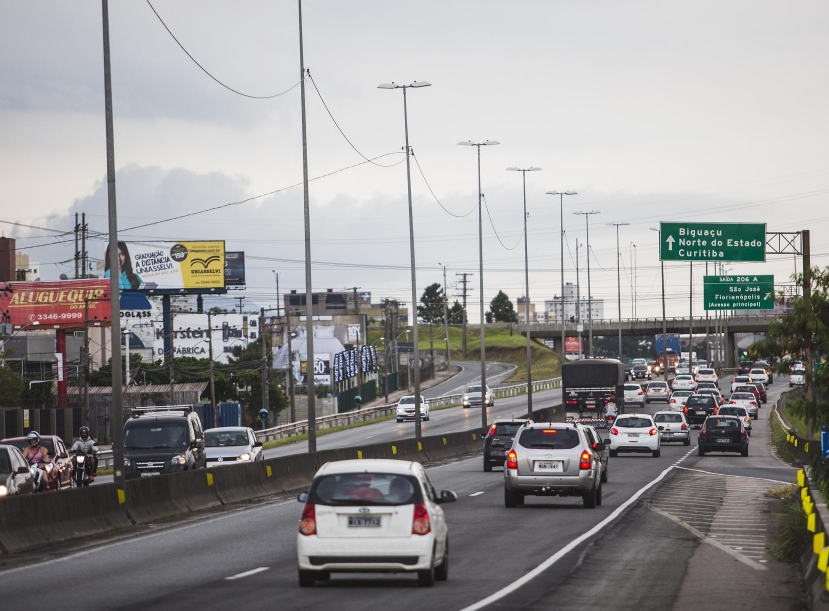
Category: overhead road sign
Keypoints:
(735, 292)
(712, 241)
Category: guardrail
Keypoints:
(369, 413)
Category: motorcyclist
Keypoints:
(86, 444)
(38, 457)
(610, 410)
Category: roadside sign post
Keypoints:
(712, 241)
(743, 292)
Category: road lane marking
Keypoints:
(527, 577)
(476, 493)
(765, 479)
(247, 573)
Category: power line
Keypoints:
(428, 186)
(496, 232)
(203, 69)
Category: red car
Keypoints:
(60, 475)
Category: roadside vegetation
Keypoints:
(792, 537)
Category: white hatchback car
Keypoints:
(796, 378)
(373, 516)
(707, 375)
(746, 400)
(634, 394)
(657, 391)
(759, 375)
(678, 399)
(683, 382)
(672, 426)
(231, 445)
(406, 408)
(634, 433)
(739, 381)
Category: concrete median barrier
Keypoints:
(243, 482)
(293, 472)
(37, 520)
(164, 496)
(440, 447)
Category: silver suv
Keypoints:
(555, 460)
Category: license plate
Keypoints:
(667, 435)
(554, 465)
(701, 413)
(149, 473)
(723, 441)
(634, 434)
(360, 522)
(497, 452)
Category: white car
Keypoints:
(672, 426)
(746, 400)
(683, 382)
(678, 399)
(406, 408)
(657, 391)
(759, 375)
(739, 411)
(740, 381)
(373, 516)
(472, 396)
(634, 394)
(682, 369)
(796, 378)
(634, 433)
(707, 375)
(231, 445)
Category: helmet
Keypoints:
(33, 438)
(84, 432)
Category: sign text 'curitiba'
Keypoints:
(712, 241)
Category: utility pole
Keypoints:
(463, 296)
(356, 299)
(84, 229)
(290, 365)
(212, 382)
(446, 317)
(691, 318)
(805, 247)
(262, 340)
(85, 410)
(707, 329)
(589, 290)
(578, 299)
(77, 252)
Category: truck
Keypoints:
(667, 356)
(588, 386)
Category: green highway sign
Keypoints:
(712, 241)
(747, 292)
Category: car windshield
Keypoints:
(410, 400)
(507, 428)
(700, 400)
(549, 439)
(470, 389)
(667, 418)
(633, 423)
(221, 439)
(5, 463)
(640, 367)
(365, 489)
(155, 435)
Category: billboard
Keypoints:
(192, 335)
(235, 268)
(52, 305)
(571, 345)
(160, 268)
(322, 369)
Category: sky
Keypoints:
(651, 111)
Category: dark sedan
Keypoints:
(641, 372)
(498, 440)
(761, 388)
(59, 475)
(744, 368)
(15, 475)
(723, 434)
(699, 407)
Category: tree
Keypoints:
(12, 387)
(501, 309)
(431, 310)
(456, 314)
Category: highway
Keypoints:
(641, 554)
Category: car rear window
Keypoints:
(633, 387)
(365, 489)
(722, 423)
(742, 396)
(706, 372)
(552, 439)
(706, 400)
(733, 411)
(799, 372)
(758, 371)
(667, 418)
(507, 428)
(657, 385)
(633, 423)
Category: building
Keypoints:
(521, 310)
(571, 309)
(339, 303)
(26, 270)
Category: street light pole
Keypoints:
(527, 290)
(664, 319)
(416, 355)
(619, 281)
(481, 273)
(561, 195)
(589, 290)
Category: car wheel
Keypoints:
(604, 474)
(599, 495)
(613, 453)
(700, 451)
(657, 452)
(744, 451)
(323, 576)
(510, 498)
(687, 442)
(645, 402)
(589, 499)
(306, 579)
(442, 572)
(399, 421)
(487, 465)
(426, 579)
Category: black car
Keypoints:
(761, 388)
(699, 407)
(744, 368)
(641, 372)
(498, 440)
(167, 439)
(723, 434)
(15, 475)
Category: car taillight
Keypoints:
(673, 400)
(585, 462)
(753, 403)
(640, 393)
(652, 432)
(747, 419)
(571, 402)
(685, 410)
(614, 431)
(716, 410)
(742, 431)
(492, 430)
(702, 430)
(512, 460)
(732, 403)
(420, 521)
(684, 427)
(308, 521)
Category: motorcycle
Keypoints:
(81, 465)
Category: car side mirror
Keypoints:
(258, 444)
(302, 497)
(63, 455)
(23, 470)
(599, 447)
(447, 496)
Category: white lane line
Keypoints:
(526, 578)
(765, 479)
(247, 573)
(476, 493)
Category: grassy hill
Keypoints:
(502, 346)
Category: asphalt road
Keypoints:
(246, 559)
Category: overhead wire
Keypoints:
(207, 72)
(496, 231)
(428, 186)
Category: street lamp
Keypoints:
(561, 195)
(481, 270)
(619, 281)
(664, 319)
(589, 291)
(415, 84)
(527, 290)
